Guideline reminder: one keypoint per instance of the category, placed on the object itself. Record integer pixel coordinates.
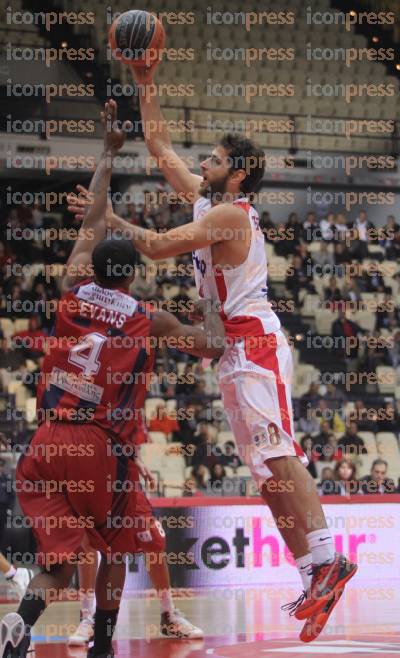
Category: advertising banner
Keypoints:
(216, 545)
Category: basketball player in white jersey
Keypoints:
(255, 370)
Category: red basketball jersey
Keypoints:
(99, 361)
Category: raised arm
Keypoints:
(93, 228)
(221, 223)
(208, 342)
(158, 140)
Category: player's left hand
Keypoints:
(114, 137)
(79, 203)
(201, 307)
(146, 474)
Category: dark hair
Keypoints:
(244, 154)
(378, 462)
(114, 261)
(340, 463)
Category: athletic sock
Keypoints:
(104, 627)
(10, 573)
(321, 545)
(166, 602)
(88, 605)
(304, 564)
(30, 609)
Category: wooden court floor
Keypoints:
(238, 622)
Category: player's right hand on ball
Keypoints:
(144, 75)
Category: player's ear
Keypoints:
(238, 176)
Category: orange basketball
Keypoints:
(136, 37)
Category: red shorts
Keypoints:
(148, 531)
(69, 483)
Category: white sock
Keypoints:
(166, 602)
(321, 545)
(304, 564)
(10, 573)
(88, 605)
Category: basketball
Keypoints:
(136, 38)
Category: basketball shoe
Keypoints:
(83, 633)
(175, 625)
(20, 581)
(317, 622)
(328, 580)
(14, 638)
(91, 654)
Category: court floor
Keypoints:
(238, 622)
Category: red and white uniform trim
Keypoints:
(255, 371)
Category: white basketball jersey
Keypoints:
(241, 290)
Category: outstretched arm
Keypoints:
(93, 227)
(158, 140)
(221, 223)
(206, 342)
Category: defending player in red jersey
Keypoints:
(149, 539)
(84, 415)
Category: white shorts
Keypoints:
(255, 383)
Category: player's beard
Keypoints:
(216, 191)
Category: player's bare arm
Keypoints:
(223, 223)
(206, 342)
(158, 140)
(96, 201)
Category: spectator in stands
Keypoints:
(327, 226)
(10, 360)
(351, 291)
(267, 225)
(376, 354)
(217, 477)
(342, 257)
(321, 439)
(391, 243)
(365, 418)
(344, 480)
(230, 457)
(160, 383)
(330, 452)
(332, 294)
(387, 314)
(190, 488)
(393, 352)
(299, 277)
(311, 231)
(187, 423)
(327, 480)
(207, 451)
(324, 258)
(200, 475)
(372, 279)
(186, 384)
(388, 419)
(335, 397)
(163, 422)
(292, 231)
(361, 231)
(350, 442)
(341, 231)
(377, 482)
(343, 329)
(307, 444)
